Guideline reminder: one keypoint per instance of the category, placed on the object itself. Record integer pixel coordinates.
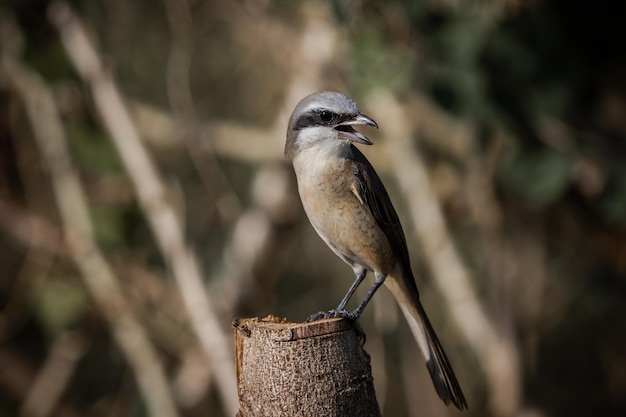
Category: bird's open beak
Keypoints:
(346, 131)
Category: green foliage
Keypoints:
(539, 178)
(613, 202)
(6, 410)
(51, 60)
(454, 77)
(374, 63)
(93, 150)
(108, 224)
(118, 227)
(59, 305)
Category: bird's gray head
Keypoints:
(325, 118)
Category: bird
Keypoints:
(350, 209)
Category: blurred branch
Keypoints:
(199, 144)
(17, 377)
(145, 289)
(30, 230)
(54, 377)
(179, 61)
(41, 243)
(415, 381)
(96, 272)
(165, 225)
(317, 45)
(261, 240)
(229, 140)
(439, 130)
(18, 219)
(16, 313)
(496, 353)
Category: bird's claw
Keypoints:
(352, 316)
(317, 316)
(321, 315)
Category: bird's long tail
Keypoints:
(439, 367)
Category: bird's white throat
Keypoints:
(318, 147)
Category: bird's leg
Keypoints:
(340, 311)
(380, 278)
(360, 276)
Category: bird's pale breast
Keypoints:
(342, 221)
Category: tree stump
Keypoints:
(302, 369)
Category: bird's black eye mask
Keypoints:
(320, 117)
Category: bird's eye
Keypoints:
(326, 116)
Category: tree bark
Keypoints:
(302, 369)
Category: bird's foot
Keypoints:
(352, 316)
(321, 315)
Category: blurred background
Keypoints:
(145, 202)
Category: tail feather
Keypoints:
(444, 379)
(437, 362)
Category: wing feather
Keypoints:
(371, 192)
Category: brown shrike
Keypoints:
(350, 209)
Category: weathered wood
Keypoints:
(302, 369)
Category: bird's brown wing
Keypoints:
(373, 195)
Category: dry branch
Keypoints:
(47, 389)
(318, 43)
(261, 240)
(145, 290)
(199, 145)
(17, 377)
(151, 192)
(302, 369)
(95, 270)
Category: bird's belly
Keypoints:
(347, 227)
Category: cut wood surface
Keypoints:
(302, 369)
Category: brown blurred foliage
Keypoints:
(513, 110)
